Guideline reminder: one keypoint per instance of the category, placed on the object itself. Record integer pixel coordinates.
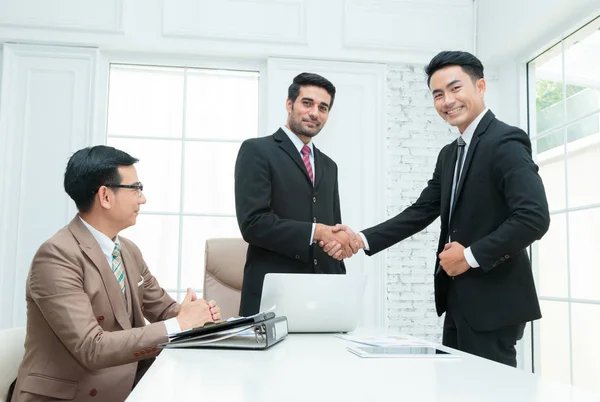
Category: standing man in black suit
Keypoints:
(286, 194)
(492, 204)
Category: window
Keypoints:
(186, 126)
(564, 118)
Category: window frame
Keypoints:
(99, 130)
(530, 114)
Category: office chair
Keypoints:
(12, 348)
(224, 261)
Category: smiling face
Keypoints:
(308, 114)
(456, 97)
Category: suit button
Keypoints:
(507, 256)
(494, 264)
(315, 261)
(315, 220)
(314, 199)
(93, 392)
(154, 349)
(100, 318)
(136, 354)
(501, 259)
(297, 257)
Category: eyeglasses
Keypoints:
(138, 187)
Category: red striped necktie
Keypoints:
(306, 159)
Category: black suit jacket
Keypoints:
(276, 206)
(500, 210)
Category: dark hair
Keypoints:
(469, 64)
(90, 168)
(310, 79)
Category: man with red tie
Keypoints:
(286, 194)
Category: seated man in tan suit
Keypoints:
(89, 290)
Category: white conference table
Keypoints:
(318, 367)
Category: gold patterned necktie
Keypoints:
(117, 267)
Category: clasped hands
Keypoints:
(195, 312)
(338, 241)
(341, 242)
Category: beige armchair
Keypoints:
(12, 349)
(224, 261)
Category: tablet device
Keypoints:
(400, 351)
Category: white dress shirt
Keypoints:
(311, 156)
(467, 136)
(107, 246)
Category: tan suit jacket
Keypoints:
(83, 340)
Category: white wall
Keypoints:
(359, 30)
(514, 29)
(46, 115)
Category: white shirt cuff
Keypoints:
(312, 235)
(470, 258)
(364, 239)
(172, 326)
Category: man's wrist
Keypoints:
(364, 240)
(318, 236)
(312, 234)
(470, 258)
(172, 325)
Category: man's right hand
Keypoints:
(333, 249)
(194, 312)
(332, 235)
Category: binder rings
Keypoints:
(261, 335)
(211, 327)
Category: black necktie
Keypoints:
(460, 155)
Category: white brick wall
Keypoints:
(415, 134)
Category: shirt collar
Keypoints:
(297, 141)
(106, 244)
(470, 130)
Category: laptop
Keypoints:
(315, 302)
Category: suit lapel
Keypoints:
(288, 146)
(89, 246)
(447, 177)
(319, 167)
(133, 277)
(480, 130)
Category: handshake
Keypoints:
(338, 241)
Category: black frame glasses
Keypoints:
(139, 186)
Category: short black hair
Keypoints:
(310, 79)
(469, 64)
(90, 168)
